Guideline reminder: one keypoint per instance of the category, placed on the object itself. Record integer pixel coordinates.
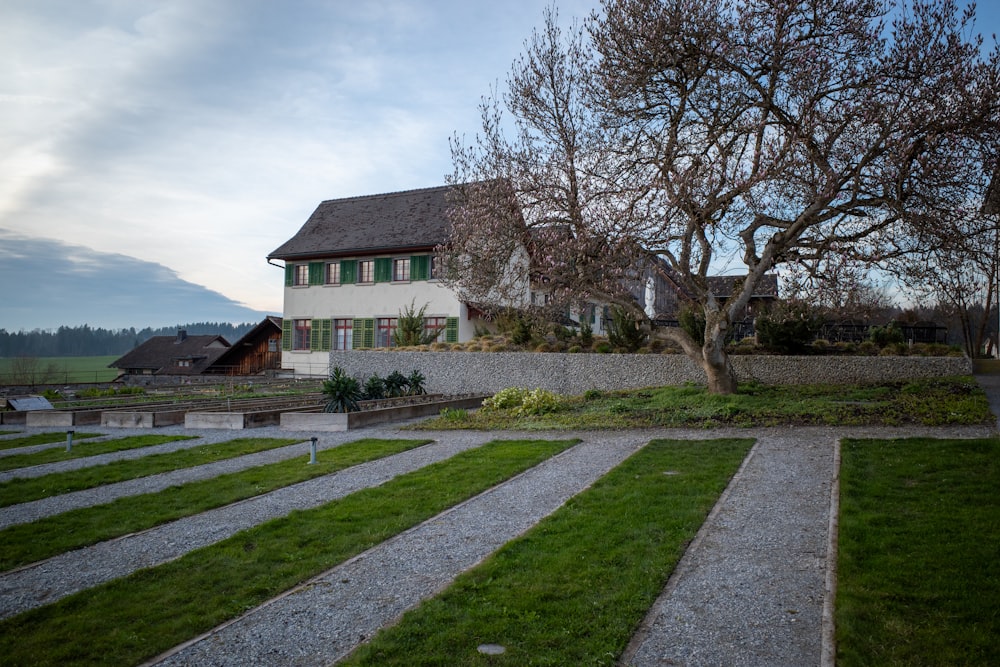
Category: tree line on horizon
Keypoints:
(87, 341)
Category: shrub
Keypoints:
(410, 330)
(586, 334)
(573, 349)
(593, 394)
(415, 383)
(523, 402)
(341, 391)
(692, 322)
(505, 399)
(538, 402)
(396, 385)
(788, 328)
(890, 334)
(454, 414)
(374, 388)
(603, 347)
(624, 331)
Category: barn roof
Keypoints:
(160, 354)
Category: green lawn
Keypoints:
(137, 617)
(957, 400)
(572, 590)
(84, 449)
(41, 439)
(26, 489)
(919, 558)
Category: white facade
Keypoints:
(336, 312)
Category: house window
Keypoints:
(301, 275)
(400, 270)
(384, 327)
(343, 334)
(303, 332)
(184, 363)
(333, 273)
(436, 325)
(366, 271)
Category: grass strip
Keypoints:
(929, 402)
(23, 490)
(41, 439)
(919, 552)
(30, 542)
(572, 590)
(137, 617)
(83, 450)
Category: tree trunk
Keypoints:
(715, 362)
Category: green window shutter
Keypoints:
(451, 330)
(420, 267)
(383, 269)
(325, 328)
(286, 334)
(314, 335)
(364, 333)
(289, 274)
(316, 273)
(348, 271)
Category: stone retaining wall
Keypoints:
(489, 372)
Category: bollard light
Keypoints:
(312, 450)
(69, 440)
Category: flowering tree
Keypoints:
(691, 131)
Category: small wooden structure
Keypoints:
(258, 351)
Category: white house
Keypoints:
(355, 265)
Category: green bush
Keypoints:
(410, 330)
(890, 334)
(374, 388)
(692, 322)
(506, 399)
(415, 383)
(624, 331)
(586, 334)
(523, 402)
(788, 328)
(453, 414)
(395, 384)
(342, 392)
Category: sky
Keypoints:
(199, 135)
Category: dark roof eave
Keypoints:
(354, 252)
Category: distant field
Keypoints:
(56, 370)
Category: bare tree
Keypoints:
(957, 267)
(691, 131)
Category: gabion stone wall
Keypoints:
(489, 372)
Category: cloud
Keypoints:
(51, 283)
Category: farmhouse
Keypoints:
(172, 355)
(355, 265)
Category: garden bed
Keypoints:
(379, 412)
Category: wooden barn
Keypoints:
(258, 351)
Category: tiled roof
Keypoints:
(374, 223)
(161, 353)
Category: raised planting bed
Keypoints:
(176, 413)
(345, 421)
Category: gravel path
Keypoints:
(323, 620)
(753, 588)
(204, 438)
(62, 575)
(37, 509)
